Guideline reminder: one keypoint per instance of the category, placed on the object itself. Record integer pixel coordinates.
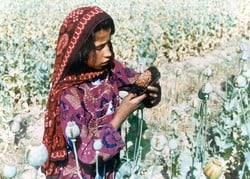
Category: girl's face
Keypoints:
(101, 56)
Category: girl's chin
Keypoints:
(96, 69)
(102, 67)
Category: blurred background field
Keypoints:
(182, 38)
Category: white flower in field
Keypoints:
(16, 126)
(243, 46)
(205, 91)
(240, 81)
(124, 170)
(185, 162)
(97, 144)
(198, 169)
(246, 72)
(245, 129)
(178, 71)
(228, 58)
(208, 72)
(207, 88)
(173, 144)
(158, 142)
(9, 171)
(244, 56)
(31, 173)
(36, 155)
(72, 130)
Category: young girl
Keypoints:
(85, 89)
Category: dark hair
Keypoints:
(78, 64)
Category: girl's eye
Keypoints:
(100, 47)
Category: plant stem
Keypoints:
(243, 170)
(140, 133)
(97, 166)
(36, 172)
(244, 114)
(154, 164)
(76, 158)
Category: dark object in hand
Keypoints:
(148, 78)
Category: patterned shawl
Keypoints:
(74, 31)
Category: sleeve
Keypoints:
(72, 110)
(125, 76)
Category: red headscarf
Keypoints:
(74, 31)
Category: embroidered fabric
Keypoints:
(92, 106)
(74, 31)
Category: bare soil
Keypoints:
(180, 92)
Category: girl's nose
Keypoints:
(107, 51)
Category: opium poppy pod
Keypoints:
(213, 169)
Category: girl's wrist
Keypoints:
(118, 119)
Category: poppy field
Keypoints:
(200, 129)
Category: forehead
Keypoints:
(102, 36)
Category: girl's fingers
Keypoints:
(152, 89)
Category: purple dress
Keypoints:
(92, 106)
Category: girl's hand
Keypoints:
(153, 95)
(128, 105)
